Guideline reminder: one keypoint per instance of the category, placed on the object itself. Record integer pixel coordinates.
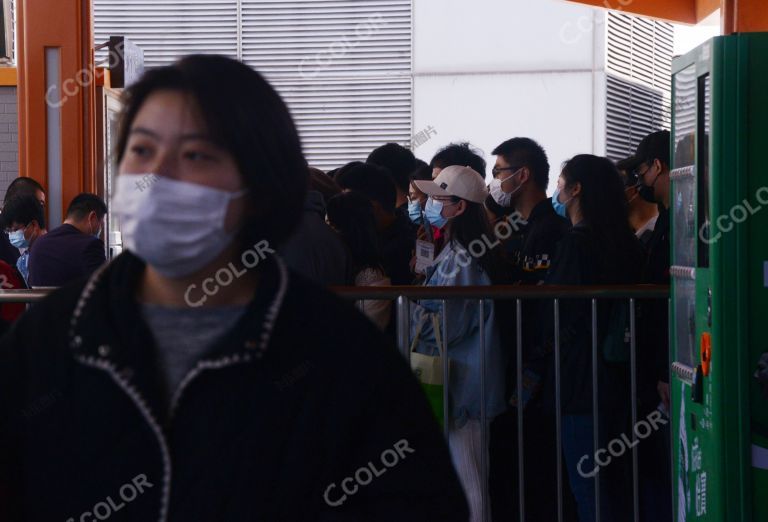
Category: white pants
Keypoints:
(466, 448)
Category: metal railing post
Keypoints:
(558, 415)
(446, 373)
(483, 416)
(520, 441)
(595, 421)
(633, 381)
(402, 317)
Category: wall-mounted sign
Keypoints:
(126, 61)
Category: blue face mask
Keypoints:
(17, 239)
(414, 211)
(433, 212)
(559, 207)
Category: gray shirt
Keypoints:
(183, 336)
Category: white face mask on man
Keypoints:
(175, 226)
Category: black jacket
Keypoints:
(300, 395)
(63, 255)
(584, 259)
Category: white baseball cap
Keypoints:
(462, 182)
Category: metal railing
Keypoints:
(401, 295)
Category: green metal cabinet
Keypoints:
(719, 306)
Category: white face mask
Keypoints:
(175, 226)
(503, 198)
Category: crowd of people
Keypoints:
(73, 250)
(275, 390)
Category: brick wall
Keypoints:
(9, 138)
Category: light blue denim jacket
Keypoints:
(456, 267)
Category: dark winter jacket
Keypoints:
(302, 412)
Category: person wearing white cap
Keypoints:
(468, 258)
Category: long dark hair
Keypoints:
(602, 203)
(473, 225)
(251, 122)
(351, 215)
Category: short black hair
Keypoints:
(22, 185)
(462, 154)
(85, 203)
(371, 180)
(398, 160)
(252, 122)
(422, 171)
(23, 209)
(524, 152)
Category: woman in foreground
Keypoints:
(195, 377)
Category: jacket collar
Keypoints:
(107, 327)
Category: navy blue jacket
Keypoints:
(63, 255)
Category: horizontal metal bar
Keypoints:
(682, 172)
(506, 292)
(683, 372)
(683, 272)
(447, 292)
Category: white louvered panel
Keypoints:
(169, 29)
(322, 38)
(343, 66)
(639, 60)
(342, 120)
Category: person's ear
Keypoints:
(658, 166)
(525, 175)
(576, 189)
(461, 206)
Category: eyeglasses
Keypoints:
(495, 170)
(639, 174)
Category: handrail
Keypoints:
(447, 292)
(506, 292)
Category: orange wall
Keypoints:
(67, 25)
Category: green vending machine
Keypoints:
(719, 278)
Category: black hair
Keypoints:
(320, 182)
(85, 203)
(422, 171)
(371, 180)
(602, 203)
(462, 154)
(398, 161)
(336, 173)
(250, 121)
(473, 225)
(524, 152)
(351, 215)
(23, 209)
(22, 185)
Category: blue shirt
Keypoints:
(456, 267)
(23, 265)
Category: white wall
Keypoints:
(489, 70)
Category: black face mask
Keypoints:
(647, 193)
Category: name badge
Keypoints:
(425, 256)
